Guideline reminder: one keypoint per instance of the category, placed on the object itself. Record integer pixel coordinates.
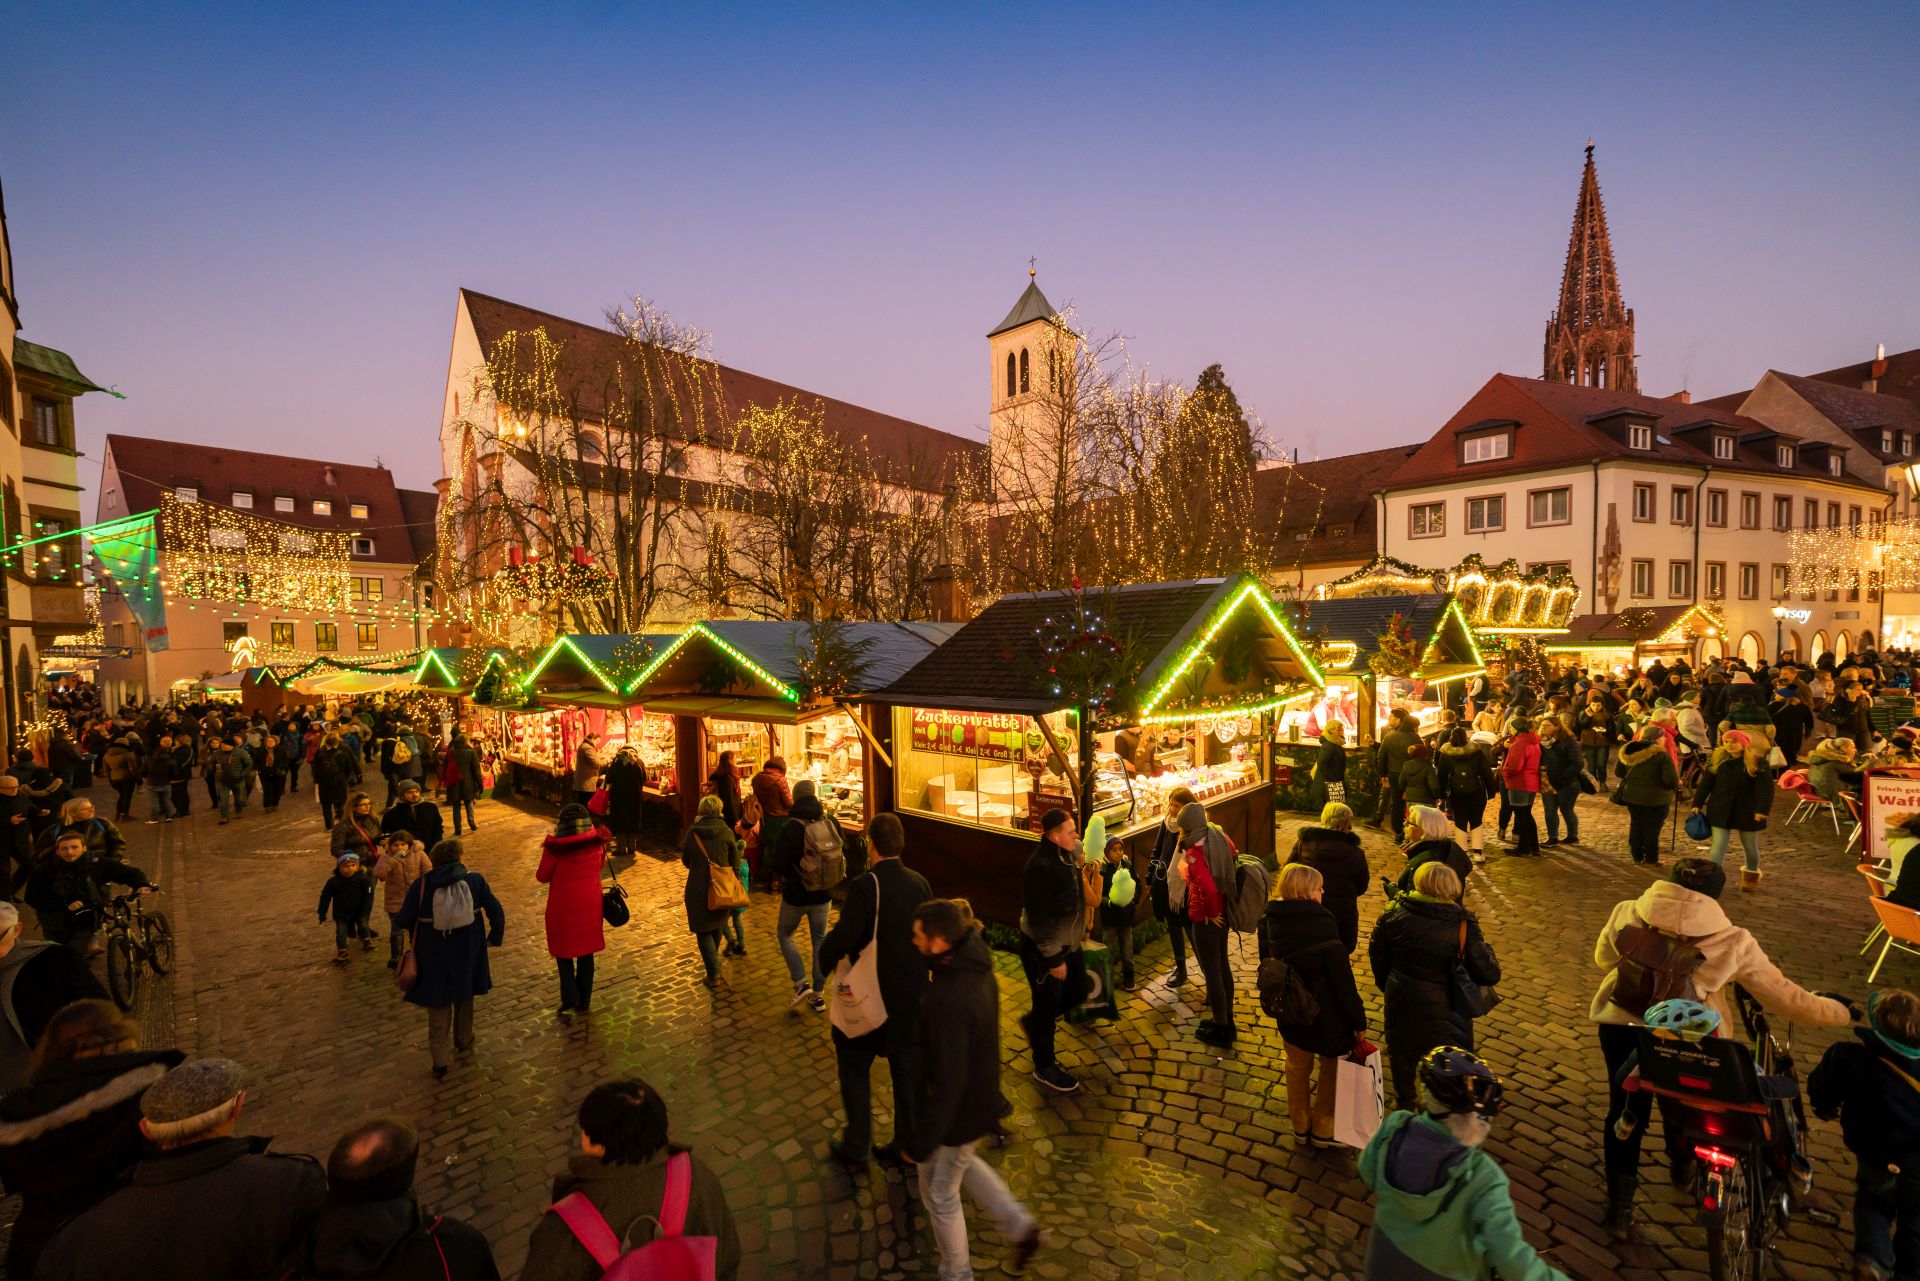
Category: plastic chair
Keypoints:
(1877, 887)
(1809, 800)
(1852, 803)
(1903, 931)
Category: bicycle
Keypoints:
(135, 935)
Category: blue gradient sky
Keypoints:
(253, 220)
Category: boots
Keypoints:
(1619, 1220)
(1749, 878)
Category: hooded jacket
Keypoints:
(399, 874)
(1419, 782)
(722, 848)
(570, 869)
(1732, 956)
(1412, 951)
(1344, 875)
(1441, 1211)
(1732, 796)
(1287, 929)
(1465, 775)
(1647, 774)
(1052, 913)
(956, 1051)
(1875, 1090)
(1827, 771)
(790, 846)
(453, 964)
(1521, 770)
(1441, 850)
(390, 1240)
(628, 1198)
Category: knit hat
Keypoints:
(344, 859)
(574, 819)
(192, 1099)
(1738, 740)
(1052, 819)
(803, 789)
(1193, 821)
(1741, 678)
(1433, 824)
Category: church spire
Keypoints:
(1590, 337)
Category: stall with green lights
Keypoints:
(1380, 653)
(1155, 687)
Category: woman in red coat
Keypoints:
(570, 863)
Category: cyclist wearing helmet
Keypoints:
(1686, 907)
(1441, 1208)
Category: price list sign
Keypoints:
(987, 736)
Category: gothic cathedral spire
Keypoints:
(1590, 337)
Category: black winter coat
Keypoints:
(1561, 763)
(1466, 778)
(790, 846)
(351, 897)
(453, 965)
(422, 818)
(626, 783)
(65, 1142)
(1731, 796)
(723, 848)
(1647, 774)
(56, 883)
(248, 1208)
(956, 1051)
(1287, 928)
(1876, 1093)
(1412, 950)
(900, 967)
(1344, 874)
(1441, 851)
(390, 1240)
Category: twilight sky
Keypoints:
(252, 219)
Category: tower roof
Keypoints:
(1590, 287)
(1033, 305)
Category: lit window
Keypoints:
(367, 635)
(242, 498)
(326, 636)
(282, 503)
(323, 507)
(282, 635)
(1640, 436)
(1486, 514)
(363, 547)
(1723, 446)
(1550, 507)
(1429, 520)
(357, 511)
(187, 493)
(1486, 449)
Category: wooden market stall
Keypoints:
(981, 742)
(1379, 653)
(573, 690)
(1633, 638)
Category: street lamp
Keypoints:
(1779, 619)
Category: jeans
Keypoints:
(1717, 850)
(1119, 941)
(1559, 805)
(730, 929)
(709, 941)
(791, 914)
(440, 1019)
(941, 1178)
(1643, 831)
(1886, 1220)
(1310, 1102)
(855, 1056)
(576, 981)
(454, 804)
(1050, 997)
(344, 930)
(233, 797)
(1618, 1042)
(162, 801)
(1210, 949)
(1596, 755)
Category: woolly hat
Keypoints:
(1052, 819)
(1738, 740)
(193, 1098)
(1741, 678)
(1432, 823)
(346, 858)
(803, 789)
(1193, 821)
(574, 819)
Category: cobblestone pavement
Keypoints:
(1173, 1162)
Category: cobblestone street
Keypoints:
(1174, 1161)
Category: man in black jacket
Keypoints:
(1053, 924)
(956, 1076)
(207, 1204)
(373, 1228)
(411, 814)
(1561, 765)
(1396, 749)
(902, 974)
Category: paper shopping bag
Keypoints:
(1359, 1100)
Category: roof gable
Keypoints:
(1032, 306)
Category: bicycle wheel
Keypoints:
(156, 931)
(122, 976)
(1733, 1252)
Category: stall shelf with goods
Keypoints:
(988, 732)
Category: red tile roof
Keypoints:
(401, 527)
(1902, 376)
(1556, 427)
(592, 352)
(1323, 511)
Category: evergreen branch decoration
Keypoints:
(830, 660)
(1083, 661)
(1396, 653)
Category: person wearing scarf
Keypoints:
(1873, 1085)
(1207, 846)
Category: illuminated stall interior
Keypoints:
(1633, 638)
(574, 689)
(1379, 653)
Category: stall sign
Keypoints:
(1891, 799)
(988, 736)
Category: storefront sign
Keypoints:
(989, 736)
(1891, 799)
(1797, 615)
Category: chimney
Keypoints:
(1684, 396)
(326, 475)
(948, 596)
(1877, 370)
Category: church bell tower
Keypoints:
(1590, 337)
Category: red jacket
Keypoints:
(1203, 896)
(570, 869)
(771, 790)
(1521, 772)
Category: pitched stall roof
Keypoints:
(1629, 627)
(439, 667)
(770, 651)
(1360, 621)
(1323, 511)
(592, 353)
(991, 663)
(148, 468)
(1557, 424)
(585, 659)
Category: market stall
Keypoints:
(571, 691)
(987, 733)
(1380, 653)
(1633, 638)
(773, 688)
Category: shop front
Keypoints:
(570, 693)
(1380, 653)
(983, 737)
(1631, 640)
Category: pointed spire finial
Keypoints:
(1032, 268)
(1589, 148)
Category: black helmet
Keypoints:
(1461, 1083)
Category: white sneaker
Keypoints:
(800, 993)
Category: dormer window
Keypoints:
(358, 511)
(282, 503)
(1906, 444)
(187, 493)
(323, 507)
(1783, 455)
(1488, 448)
(1640, 436)
(1723, 447)
(1886, 441)
(1835, 464)
(243, 498)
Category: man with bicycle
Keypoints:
(1676, 941)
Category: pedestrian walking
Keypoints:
(1429, 839)
(270, 764)
(622, 1170)
(1520, 777)
(71, 1132)
(724, 782)
(571, 861)
(956, 1074)
(400, 863)
(332, 772)
(1053, 924)
(1396, 746)
(412, 814)
(1869, 1085)
(775, 798)
(104, 841)
(349, 892)
(1333, 850)
(186, 757)
(1648, 782)
(37, 980)
(121, 764)
(586, 770)
(1330, 765)
(205, 1203)
(626, 784)
(373, 1228)
(1208, 869)
(809, 857)
(901, 973)
(1297, 929)
(357, 829)
(443, 913)
(1167, 891)
(1736, 795)
(1116, 918)
(158, 768)
(460, 775)
(1466, 782)
(67, 891)
(1419, 780)
(708, 844)
(1561, 770)
(234, 769)
(16, 836)
(1413, 948)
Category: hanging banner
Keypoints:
(128, 552)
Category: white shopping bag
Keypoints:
(1359, 1100)
(858, 1007)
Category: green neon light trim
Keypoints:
(1222, 713)
(1194, 650)
(95, 530)
(578, 653)
(701, 629)
(664, 655)
(432, 657)
(1453, 610)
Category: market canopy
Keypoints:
(730, 656)
(1430, 630)
(589, 660)
(1202, 647)
(439, 669)
(1640, 625)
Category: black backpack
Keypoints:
(1653, 967)
(1462, 778)
(1284, 994)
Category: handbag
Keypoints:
(1472, 999)
(723, 883)
(407, 973)
(1359, 1096)
(1587, 786)
(1697, 827)
(599, 803)
(858, 1006)
(613, 905)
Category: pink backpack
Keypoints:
(669, 1257)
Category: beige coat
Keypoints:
(1732, 956)
(399, 874)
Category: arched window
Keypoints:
(1819, 646)
(1013, 381)
(1842, 643)
(1751, 649)
(1023, 370)
(591, 450)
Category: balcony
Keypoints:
(59, 605)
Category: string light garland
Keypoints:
(1083, 661)
(219, 554)
(1252, 592)
(780, 688)
(830, 661)
(1394, 651)
(1874, 557)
